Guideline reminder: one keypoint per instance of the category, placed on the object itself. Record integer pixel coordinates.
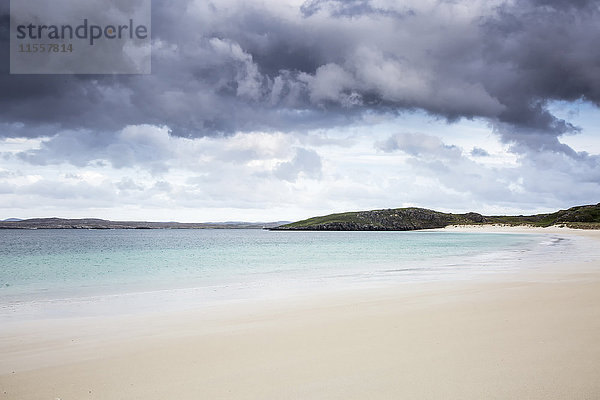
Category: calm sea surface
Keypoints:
(153, 269)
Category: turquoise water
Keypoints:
(200, 265)
(46, 260)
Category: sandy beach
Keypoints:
(523, 335)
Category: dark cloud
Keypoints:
(536, 52)
(349, 8)
(222, 67)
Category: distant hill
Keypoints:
(407, 219)
(93, 223)
(11, 220)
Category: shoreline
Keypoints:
(530, 334)
(492, 228)
(173, 295)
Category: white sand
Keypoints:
(506, 337)
(521, 229)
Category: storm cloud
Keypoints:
(227, 66)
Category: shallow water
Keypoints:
(65, 272)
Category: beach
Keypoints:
(526, 334)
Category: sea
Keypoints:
(53, 273)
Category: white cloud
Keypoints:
(305, 162)
(144, 172)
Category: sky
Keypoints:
(271, 110)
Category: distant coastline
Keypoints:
(394, 219)
(94, 223)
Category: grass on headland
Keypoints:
(581, 217)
